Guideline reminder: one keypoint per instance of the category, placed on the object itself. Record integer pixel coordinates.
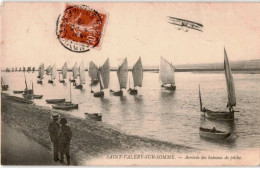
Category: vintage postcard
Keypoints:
(130, 84)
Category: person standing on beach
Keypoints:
(64, 140)
(54, 129)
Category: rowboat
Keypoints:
(18, 91)
(55, 100)
(65, 106)
(94, 116)
(167, 75)
(213, 133)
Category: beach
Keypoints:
(90, 139)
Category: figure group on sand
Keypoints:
(60, 135)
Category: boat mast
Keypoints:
(200, 100)
(70, 92)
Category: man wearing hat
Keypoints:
(64, 140)
(54, 135)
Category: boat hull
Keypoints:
(208, 133)
(50, 81)
(99, 94)
(171, 87)
(30, 96)
(53, 101)
(65, 106)
(79, 86)
(219, 115)
(39, 82)
(118, 93)
(18, 92)
(62, 81)
(94, 116)
(133, 91)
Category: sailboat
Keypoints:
(81, 76)
(53, 73)
(23, 69)
(103, 75)
(29, 93)
(40, 73)
(122, 73)
(223, 115)
(92, 72)
(15, 68)
(29, 69)
(137, 73)
(167, 74)
(33, 69)
(65, 105)
(4, 85)
(64, 71)
(20, 69)
(48, 70)
(74, 73)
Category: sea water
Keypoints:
(172, 116)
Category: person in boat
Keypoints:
(213, 129)
(64, 140)
(54, 136)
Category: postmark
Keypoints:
(80, 28)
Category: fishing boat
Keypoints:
(29, 93)
(15, 68)
(23, 69)
(53, 101)
(103, 75)
(122, 73)
(137, 73)
(74, 73)
(223, 115)
(20, 69)
(40, 73)
(4, 85)
(65, 105)
(81, 76)
(167, 75)
(48, 70)
(33, 69)
(213, 133)
(92, 72)
(64, 71)
(29, 69)
(53, 73)
(94, 116)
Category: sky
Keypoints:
(28, 34)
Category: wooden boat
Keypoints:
(64, 71)
(94, 116)
(66, 105)
(74, 73)
(4, 85)
(18, 91)
(137, 73)
(55, 100)
(92, 72)
(53, 73)
(103, 75)
(167, 75)
(48, 70)
(32, 96)
(223, 115)
(19, 99)
(40, 73)
(122, 74)
(213, 133)
(81, 76)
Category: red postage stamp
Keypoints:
(80, 28)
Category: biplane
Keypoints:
(185, 24)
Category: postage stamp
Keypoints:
(80, 28)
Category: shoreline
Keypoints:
(91, 139)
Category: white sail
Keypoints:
(82, 73)
(41, 71)
(122, 74)
(48, 70)
(53, 72)
(138, 73)
(105, 73)
(64, 71)
(75, 71)
(92, 71)
(166, 72)
(229, 81)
